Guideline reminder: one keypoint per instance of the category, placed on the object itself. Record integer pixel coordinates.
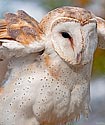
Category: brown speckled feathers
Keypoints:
(76, 14)
(20, 27)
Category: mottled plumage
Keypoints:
(47, 66)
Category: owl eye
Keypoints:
(65, 35)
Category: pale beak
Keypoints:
(79, 57)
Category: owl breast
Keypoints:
(61, 94)
(42, 88)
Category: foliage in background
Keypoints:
(51, 4)
(99, 63)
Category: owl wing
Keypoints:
(101, 32)
(19, 34)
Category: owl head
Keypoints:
(73, 33)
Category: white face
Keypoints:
(75, 43)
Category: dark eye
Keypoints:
(65, 35)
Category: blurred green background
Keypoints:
(32, 6)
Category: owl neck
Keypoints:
(51, 58)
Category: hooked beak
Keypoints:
(79, 58)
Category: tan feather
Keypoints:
(20, 27)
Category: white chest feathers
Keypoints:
(45, 89)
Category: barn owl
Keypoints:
(47, 66)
